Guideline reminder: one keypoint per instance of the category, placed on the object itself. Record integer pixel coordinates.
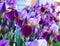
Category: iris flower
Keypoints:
(4, 43)
(40, 42)
(46, 36)
(10, 16)
(15, 13)
(54, 27)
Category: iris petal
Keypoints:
(16, 13)
(10, 17)
(46, 36)
(3, 9)
(26, 30)
(19, 22)
(39, 33)
(4, 23)
(58, 38)
(4, 43)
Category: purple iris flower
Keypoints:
(15, 13)
(26, 30)
(4, 43)
(47, 20)
(9, 16)
(46, 36)
(11, 3)
(58, 38)
(19, 23)
(40, 42)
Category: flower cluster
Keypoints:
(37, 22)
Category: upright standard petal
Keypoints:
(3, 9)
(9, 16)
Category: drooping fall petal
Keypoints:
(4, 43)
(19, 23)
(58, 38)
(26, 30)
(46, 36)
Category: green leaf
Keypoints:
(57, 44)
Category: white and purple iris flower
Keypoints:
(40, 42)
(54, 27)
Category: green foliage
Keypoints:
(56, 44)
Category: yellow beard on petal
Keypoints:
(29, 23)
(48, 31)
